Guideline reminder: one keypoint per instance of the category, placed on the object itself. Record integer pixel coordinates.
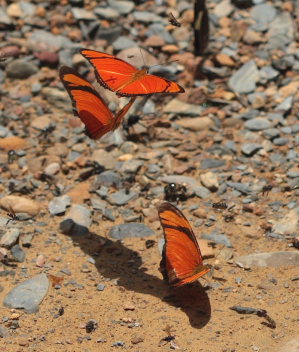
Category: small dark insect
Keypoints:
(55, 280)
(11, 156)
(46, 131)
(220, 205)
(170, 337)
(94, 169)
(149, 243)
(61, 311)
(91, 326)
(229, 217)
(295, 242)
(266, 189)
(174, 192)
(270, 322)
(172, 20)
(12, 215)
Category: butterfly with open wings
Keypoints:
(126, 80)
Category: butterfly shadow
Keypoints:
(115, 261)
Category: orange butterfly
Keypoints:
(182, 260)
(126, 80)
(89, 106)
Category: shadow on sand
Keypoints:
(115, 261)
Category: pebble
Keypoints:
(20, 205)
(20, 69)
(258, 124)
(288, 224)
(28, 295)
(58, 205)
(4, 332)
(196, 124)
(274, 259)
(217, 238)
(244, 80)
(121, 197)
(10, 238)
(249, 149)
(130, 230)
(176, 106)
(77, 221)
(123, 7)
(18, 254)
(210, 181)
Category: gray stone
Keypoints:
(176, 106)
(264, 13)
(123, 7)
(104, 158)
(106, 13)
(122, 43)
(245, 78)
(18, 254)
(20, 69)
(223, 8)
(274, 259)
(130, 230)
(10, 237)
(4, 19)
(121, 197)
(271, 133)
(107, 178)
(212, 163)
(288, 224)
(58, 205)
(82, 14)
(110, 34)
(241, 187)
(146, 17)
(48, 41)
(250, 149)
(4, 332)
(281, 141)
(28, 295)
(77, 222)
(285, 105)
(268, 73)
(201, 192)
(217, 238)
(101, 287)
(257, 124)
(131, 166)
(281, 31)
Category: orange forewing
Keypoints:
(89, 106)
(126, 80)
(182, 260)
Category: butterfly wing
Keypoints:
(121, 77)
(88, 105)
(182, 260)
(150, 84)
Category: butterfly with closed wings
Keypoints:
(89, 106)
(181, 259)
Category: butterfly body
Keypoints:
(181, 259)
(126, 80)
(89, 106)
